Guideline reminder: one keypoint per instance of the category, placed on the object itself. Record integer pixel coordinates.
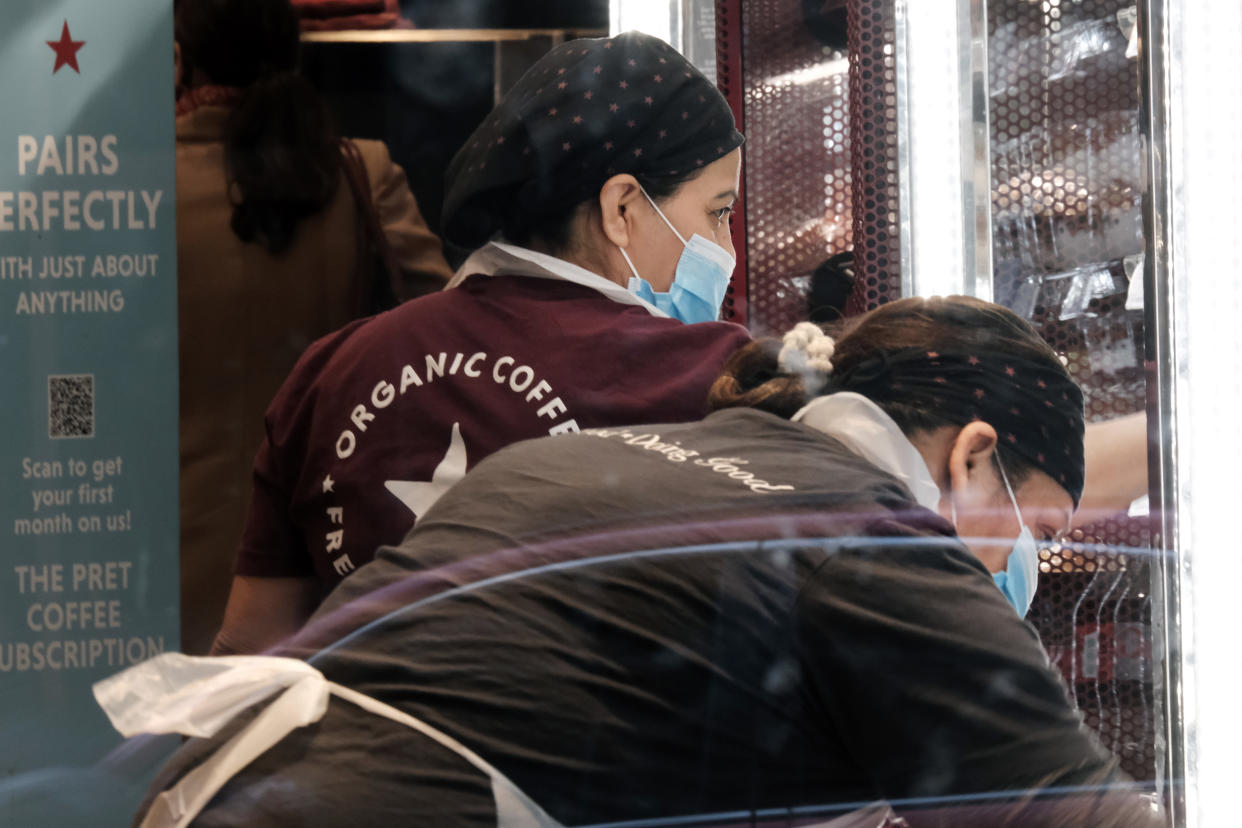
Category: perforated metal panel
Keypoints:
(793, 90)
(1093, 612)
(873, 153)
(729, 75)
(821, 175)
(1068, 180)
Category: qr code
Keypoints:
(71, 406)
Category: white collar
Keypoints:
(502, 259)
(867, 431)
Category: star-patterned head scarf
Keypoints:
(1034, 405)
(588, 110)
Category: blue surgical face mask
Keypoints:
(1020, 578)
(699, 284)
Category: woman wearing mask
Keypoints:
(789, 605)
(611, 164)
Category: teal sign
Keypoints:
(88, 371)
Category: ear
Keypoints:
(617, 199)
(970, 460)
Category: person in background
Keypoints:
(596, 199)
(1116, 468)
(269, 254)
(794, 604)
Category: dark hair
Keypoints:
(954, 325)
(282, 152)
(553, 231)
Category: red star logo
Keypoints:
(66, 50)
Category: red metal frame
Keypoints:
(729, 79)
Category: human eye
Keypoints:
(723, 213)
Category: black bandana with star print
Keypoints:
(1035, 407)
(588, 110)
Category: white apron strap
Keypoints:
(181, 803)
(173, 693)
(514, 809)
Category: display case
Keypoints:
(1049, 156)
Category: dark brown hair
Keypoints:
(282, 155)
(955, 325)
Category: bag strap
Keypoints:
(370, 235)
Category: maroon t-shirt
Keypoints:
(380, 418)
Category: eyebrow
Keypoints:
(727, 194)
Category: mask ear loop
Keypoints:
(660, 213)
(628, 262)
(1008, 488)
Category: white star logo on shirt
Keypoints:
(328, 483)
(418, 496)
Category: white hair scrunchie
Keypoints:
(808, 351)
